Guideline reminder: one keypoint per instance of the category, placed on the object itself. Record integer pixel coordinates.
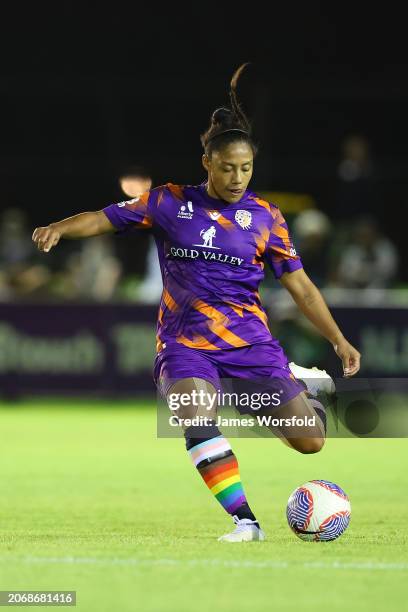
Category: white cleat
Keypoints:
(245, 531)
(316, 381)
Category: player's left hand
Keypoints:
(349, 356)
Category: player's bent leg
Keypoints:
(214, 459)
(303, 424)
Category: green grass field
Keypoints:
(92, 501)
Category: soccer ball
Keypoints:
(318, 511)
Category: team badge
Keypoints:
(243, 218)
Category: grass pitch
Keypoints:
(92, 501)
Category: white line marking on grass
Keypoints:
(336, 565)
(364, 565)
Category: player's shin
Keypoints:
(213, 457)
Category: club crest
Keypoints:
(243, 218)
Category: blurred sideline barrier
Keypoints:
(109, 349)
(77, 348)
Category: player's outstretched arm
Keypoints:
(83, 225)
(311, 302)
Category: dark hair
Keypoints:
(229, 124)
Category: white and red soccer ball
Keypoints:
(318, 510)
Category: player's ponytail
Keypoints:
(228, 124)
(235, 105)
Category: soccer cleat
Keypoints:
(245, 531)
(317, 381)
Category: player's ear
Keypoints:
(205, 161)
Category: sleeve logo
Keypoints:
(122, 204)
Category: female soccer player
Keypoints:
(213, 241)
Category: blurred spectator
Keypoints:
(369, 260)
(150, 289)
(311, 232)
(94, 271)
(21, 271)
(356, 187)
(357, 195)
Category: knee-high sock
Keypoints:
(213, 457)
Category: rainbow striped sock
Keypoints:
(218, 467)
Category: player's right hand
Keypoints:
(46, 237)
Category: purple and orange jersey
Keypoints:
(212, 256)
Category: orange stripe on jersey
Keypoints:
(217, 323)
(146, 222)
(177, 191)
(229, 337)
(159, 344)
(264, 233)
(261, 240)
(223, 221)
(145, 197)
(198, 342)
(254, 308)
(168, 300)
(275, 212)
(281, 232)
(138, 204)
(285, 254)
(159, 199)
(263, 203)
(237, 308)
(209, 311)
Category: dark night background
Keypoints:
(88, 89)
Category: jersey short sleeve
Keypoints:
(138, 213)
(280, 253)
